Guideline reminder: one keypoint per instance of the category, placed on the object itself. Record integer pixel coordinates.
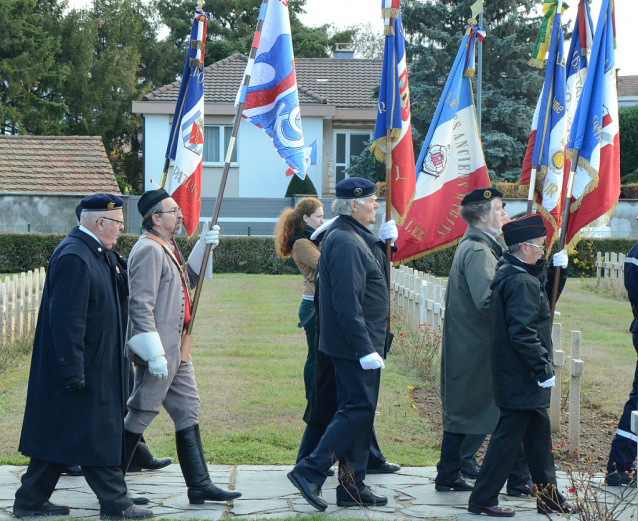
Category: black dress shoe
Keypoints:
(359, 498)
(136, 498)
(311, 492)
(496, 510)
(210, 492)
(460, 484)
(470, 472)
(132, 512)
(46, 509)
(386, 468)
(75, 470)
(522, 490)
(152, 464)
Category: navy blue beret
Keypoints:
(354, 188)
(480, 195)
(101, 203)
(150, 199)
(524, 229)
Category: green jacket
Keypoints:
(466, 376)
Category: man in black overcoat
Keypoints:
(74, 412)
(522, 372)
(353, 303)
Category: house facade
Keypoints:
(337, 110)
(627, 91)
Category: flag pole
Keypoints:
(563, 229)
(388, 196)
(222, 184)
(479, 81)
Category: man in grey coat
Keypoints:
(469, 411)
(159, 309)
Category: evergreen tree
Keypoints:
(628, 122)
(299, 186)
(434, 30)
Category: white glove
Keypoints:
(197, 253)
(560, 259)
(388, 230)
(548, 383)
(148, 346)
(372, 361)
(322, 228)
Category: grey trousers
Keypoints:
(178, 394)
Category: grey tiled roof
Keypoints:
(343, 83)
(56, 164)
(627, 85)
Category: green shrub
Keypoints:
(28, 251)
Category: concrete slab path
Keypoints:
(267, 494)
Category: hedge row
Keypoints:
(511, 191)
(27, 251)
(23, 252)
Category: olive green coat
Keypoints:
(466, 377)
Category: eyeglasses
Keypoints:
(121, 223)
(173, 211)
(536, 246)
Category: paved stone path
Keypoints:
(267, 494)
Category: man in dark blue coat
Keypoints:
(352, 279)
(74, 412)
(621, 467)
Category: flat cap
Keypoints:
(150, 199)
(480, 195)
(524, 229)
(101, 203)
(353, 188)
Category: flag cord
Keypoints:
(222, 184)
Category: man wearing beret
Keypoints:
(75, 401)
(469, 411)
(522, 373)
(352, 284)
(159, 309)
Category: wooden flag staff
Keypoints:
(388, 198)
(222, 184)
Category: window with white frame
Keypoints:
(216, 139)
(348, 143)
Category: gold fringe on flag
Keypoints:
(375, 147)
(571, 247)
(388, 30)
(390, 13)
(591, 172)
(469, 73)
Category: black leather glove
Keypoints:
(75, 383)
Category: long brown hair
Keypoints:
(291, 221)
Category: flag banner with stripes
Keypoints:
(451, 164)
(393, 113)
(186, 141)
(547, 140)
(595, 134)
(544, 38)
(271, 100)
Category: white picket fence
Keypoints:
(610, 267)
(19, 303)
(420, 297)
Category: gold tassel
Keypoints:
(388, 30)
(469, 73)
(535, 62)
(395, 134)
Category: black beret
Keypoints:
(480, 195)
(354, 188)
(101, 203)
(150, 199)
(524, 229)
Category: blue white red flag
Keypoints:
(310, 154)
(546, 146)
(393, 112)
(595, 134)
(451, 165)
(186, 142)
(271, 100)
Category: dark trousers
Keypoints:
(622, 456)
(347, 437)
(308, 320)
(532, 429)
(313, 433)
(470, 446)
(452, 447)
(41, 477)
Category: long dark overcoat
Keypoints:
(79, 331)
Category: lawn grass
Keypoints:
(248, 356)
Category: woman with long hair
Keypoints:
(292, 239)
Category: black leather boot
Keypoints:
(144, 460)
(191, 459)
(131, 440)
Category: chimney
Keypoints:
(344, 51)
